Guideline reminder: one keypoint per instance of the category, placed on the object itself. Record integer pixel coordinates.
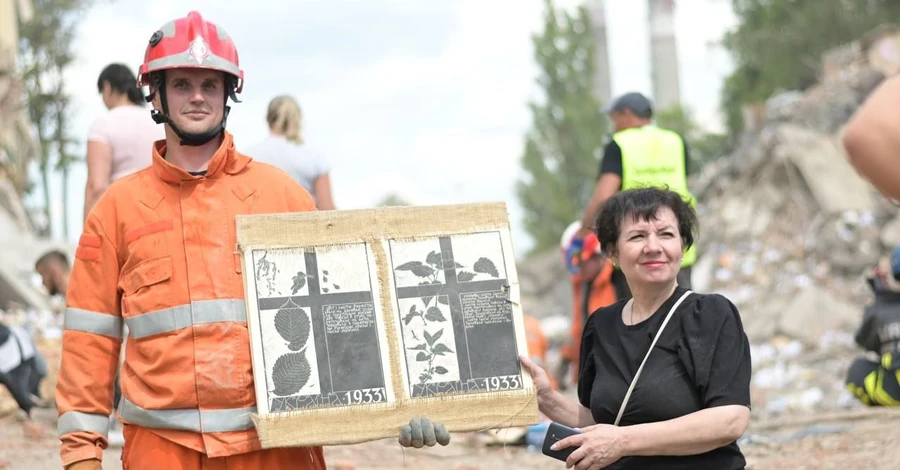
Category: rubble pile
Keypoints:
(789, 232)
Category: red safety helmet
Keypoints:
(191, 42)
(591, 244)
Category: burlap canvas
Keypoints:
(379, 229)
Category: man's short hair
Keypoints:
(55, 256)
(638, 104)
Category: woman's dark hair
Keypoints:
(121, 80)
(643, 204)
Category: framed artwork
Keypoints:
(361, 320)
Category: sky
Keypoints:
(427, 99)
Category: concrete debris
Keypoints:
(815, 311)
(890, 233)
(789, 232)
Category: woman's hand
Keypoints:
(599, 446)
(539, 377)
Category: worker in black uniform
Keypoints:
(18, 369)
(873, 379)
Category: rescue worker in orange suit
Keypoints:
(592, 288)
(158, 253)
(537, 343)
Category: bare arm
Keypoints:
(554, 404)
(99, 172)
(872, 138)
(322, 192)
(607, 186)
(696, 433)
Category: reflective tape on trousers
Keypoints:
(104, 324)
(234, 419)
(183, 316)
(76, 421)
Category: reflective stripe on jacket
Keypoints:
(158, 253)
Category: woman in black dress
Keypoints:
(691, 401)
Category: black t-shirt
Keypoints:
(612, 159)
(701, 360)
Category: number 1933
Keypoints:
(503, 382)
(365, 395)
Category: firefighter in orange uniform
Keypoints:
(592, 289)
(158, 253)
(537, 343)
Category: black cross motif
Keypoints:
(453, 289)
(315, 301)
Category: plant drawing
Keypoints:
(431, 315)
(266, 272)
(291, 371)
(299, 280)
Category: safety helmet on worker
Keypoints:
(190, 43)
(591, 244)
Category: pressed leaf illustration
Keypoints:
(441, 349)
(293, 325)
(429, 312)
(299, 280)
(434, 314)
(485, 266)
(266, 272)
(290, 373)
(408, 266)
(434, 259)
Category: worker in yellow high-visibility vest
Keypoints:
(639, 154)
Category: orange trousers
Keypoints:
(146, 451)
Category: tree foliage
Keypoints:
(45, 54)
(778, 44)
(561, 152)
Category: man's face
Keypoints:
(196, 99)
(592, 267)
(49, 275)
(621, 120)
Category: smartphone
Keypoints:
(557, 432)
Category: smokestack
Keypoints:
(663, 54)
(601, 85)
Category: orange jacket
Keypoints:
(537, 344)
(602, 293)
(537, 340)
(159, 253)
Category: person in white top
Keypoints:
(284, 148)
(120, 141)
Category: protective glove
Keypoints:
(573, 255)
(421, 431)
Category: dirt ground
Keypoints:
(850, 440)
(857, 439)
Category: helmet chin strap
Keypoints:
(193, 139)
